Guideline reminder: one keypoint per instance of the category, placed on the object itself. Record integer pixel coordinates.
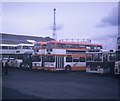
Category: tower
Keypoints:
(54, 26)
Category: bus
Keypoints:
(100, 62)
(54, 47)
(7, 52)
(117, 63)
(53, 62)
(23, 55)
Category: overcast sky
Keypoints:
(97, 21)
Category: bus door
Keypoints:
(59, 63)
(43, 61)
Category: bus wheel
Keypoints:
(68, 68)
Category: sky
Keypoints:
(97, 21)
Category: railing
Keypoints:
(77, 40)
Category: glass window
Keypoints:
(76, 60)
(11, 47)
(88, 47)
(36, 58)
(25, 47)
(112, 57)
(4, 47)
(118, 55)
(89, 57)
(19, 56)
(49, 58)
(82, 59)
(59, 45)
(18, 47)
(68, 59)
(43, 46)
(97, 57)
(37, 46)
(99, 47)
(105, 57)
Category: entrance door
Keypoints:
(59, 63)
(43, 61)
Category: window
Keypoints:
(97, 57)
(76, 60)
(25, 47)
(36, 58)
(59, 45)
(88, 47)
(4, 47)
(37, 46)
(89, 57)
(49, 58)
(69, 59)
(20, 56)
(43, 46)
(99, 47)
(118, 55)
(82, 59)
(18, 47)
(111, 57)
(11, 47)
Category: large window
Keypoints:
(112, 57)
(25, 47)
(19, 56)
(37, 46)
(4, 47)
(59, 45)
(76, 59)
(36, 58)
(97, 57)
(49, 58)
(11, 47)
(117, 55)
(82, 59)
(89, 57)
(69, 59)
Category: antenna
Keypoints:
(54, 26)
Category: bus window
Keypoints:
(97, 57)
(105, 58)
(18, 47)
(37, 46)
(99, 47)
(59, 45)
(43, 46)
(25, 47)
(82, 59)
(89, 57)
(11, 47)
(76, 60)
(88, 47)
(111, 57)
(19, 56)
(117, 55)
(49, 58)
(36, 58)
(68, 59)
(4, 47)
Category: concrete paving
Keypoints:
(29, 84)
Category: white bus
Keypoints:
(53, 62)
(7, 52)
(100, 62)
(117, 63)
(23, 55)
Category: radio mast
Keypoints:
(54, 26)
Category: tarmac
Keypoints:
(32, 84)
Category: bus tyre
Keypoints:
(68, 68)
